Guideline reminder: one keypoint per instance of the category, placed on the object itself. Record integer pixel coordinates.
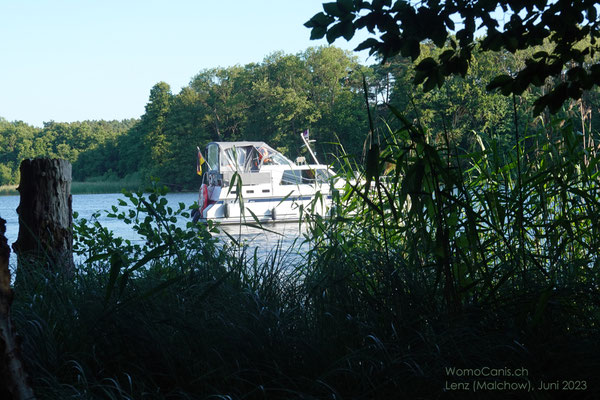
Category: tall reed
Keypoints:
(433, 259)
(461, 255)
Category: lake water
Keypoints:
(289, 235)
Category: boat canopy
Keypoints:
(242, 156)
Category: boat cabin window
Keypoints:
(291, 177)
(304, 176)
(212, 156)
(246, 158)
(323, 176)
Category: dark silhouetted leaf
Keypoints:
(427, 64)
(334, 32)
(347, 29)
(333, 10)
(367, 44)
(498, 82)
(317, 33)
(346, 6)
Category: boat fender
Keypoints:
(202, 199)
(273, 214)
(226, 210)
(195, 215)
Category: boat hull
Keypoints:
(289, 208)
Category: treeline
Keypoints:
(272, 101)
(19, 141)
(320, 89)
(462, 112)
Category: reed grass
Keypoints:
(451, 260)
(95, 187)
(104, 187)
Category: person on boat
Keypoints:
(264, 156)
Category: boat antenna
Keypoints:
(304, 135)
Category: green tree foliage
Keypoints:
(320, 89)
(185, 129)
(83, 143)
(402, 26)
(155, 139)
(273, 101)
(223, 96)
(281, 101)
(461, 106)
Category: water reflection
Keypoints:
(288, 236)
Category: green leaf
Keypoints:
(592, 14)
(499, 82)
(318, 20)
(439, 37)
(317, 33)
(334, 10)
(154, 253)
(97, 257)
(429, 84)
(346, 6)
(426, 64)
(420, 76)
(414, 49)
(367, 44)
(347, 29)
(372, 168)
(116, 262)
(334, 32)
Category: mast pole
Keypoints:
(306, 143)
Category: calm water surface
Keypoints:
(288, 235)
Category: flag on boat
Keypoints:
(305, 134)
(201, 161)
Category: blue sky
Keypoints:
(72, 60)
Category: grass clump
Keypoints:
(108, 183)
(102, 187)
(464, 261)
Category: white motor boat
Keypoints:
(248, 182)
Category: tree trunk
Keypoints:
(45, 215)
(13, 379)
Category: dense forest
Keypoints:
(320, 89)
(19, 141)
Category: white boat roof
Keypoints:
(229, 145)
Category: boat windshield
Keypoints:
(270, 156)
(249, 158)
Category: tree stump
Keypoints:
(13, 379)
(45, 215)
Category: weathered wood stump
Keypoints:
(13, 379)
(45, 215)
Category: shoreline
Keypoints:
(89, 188)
